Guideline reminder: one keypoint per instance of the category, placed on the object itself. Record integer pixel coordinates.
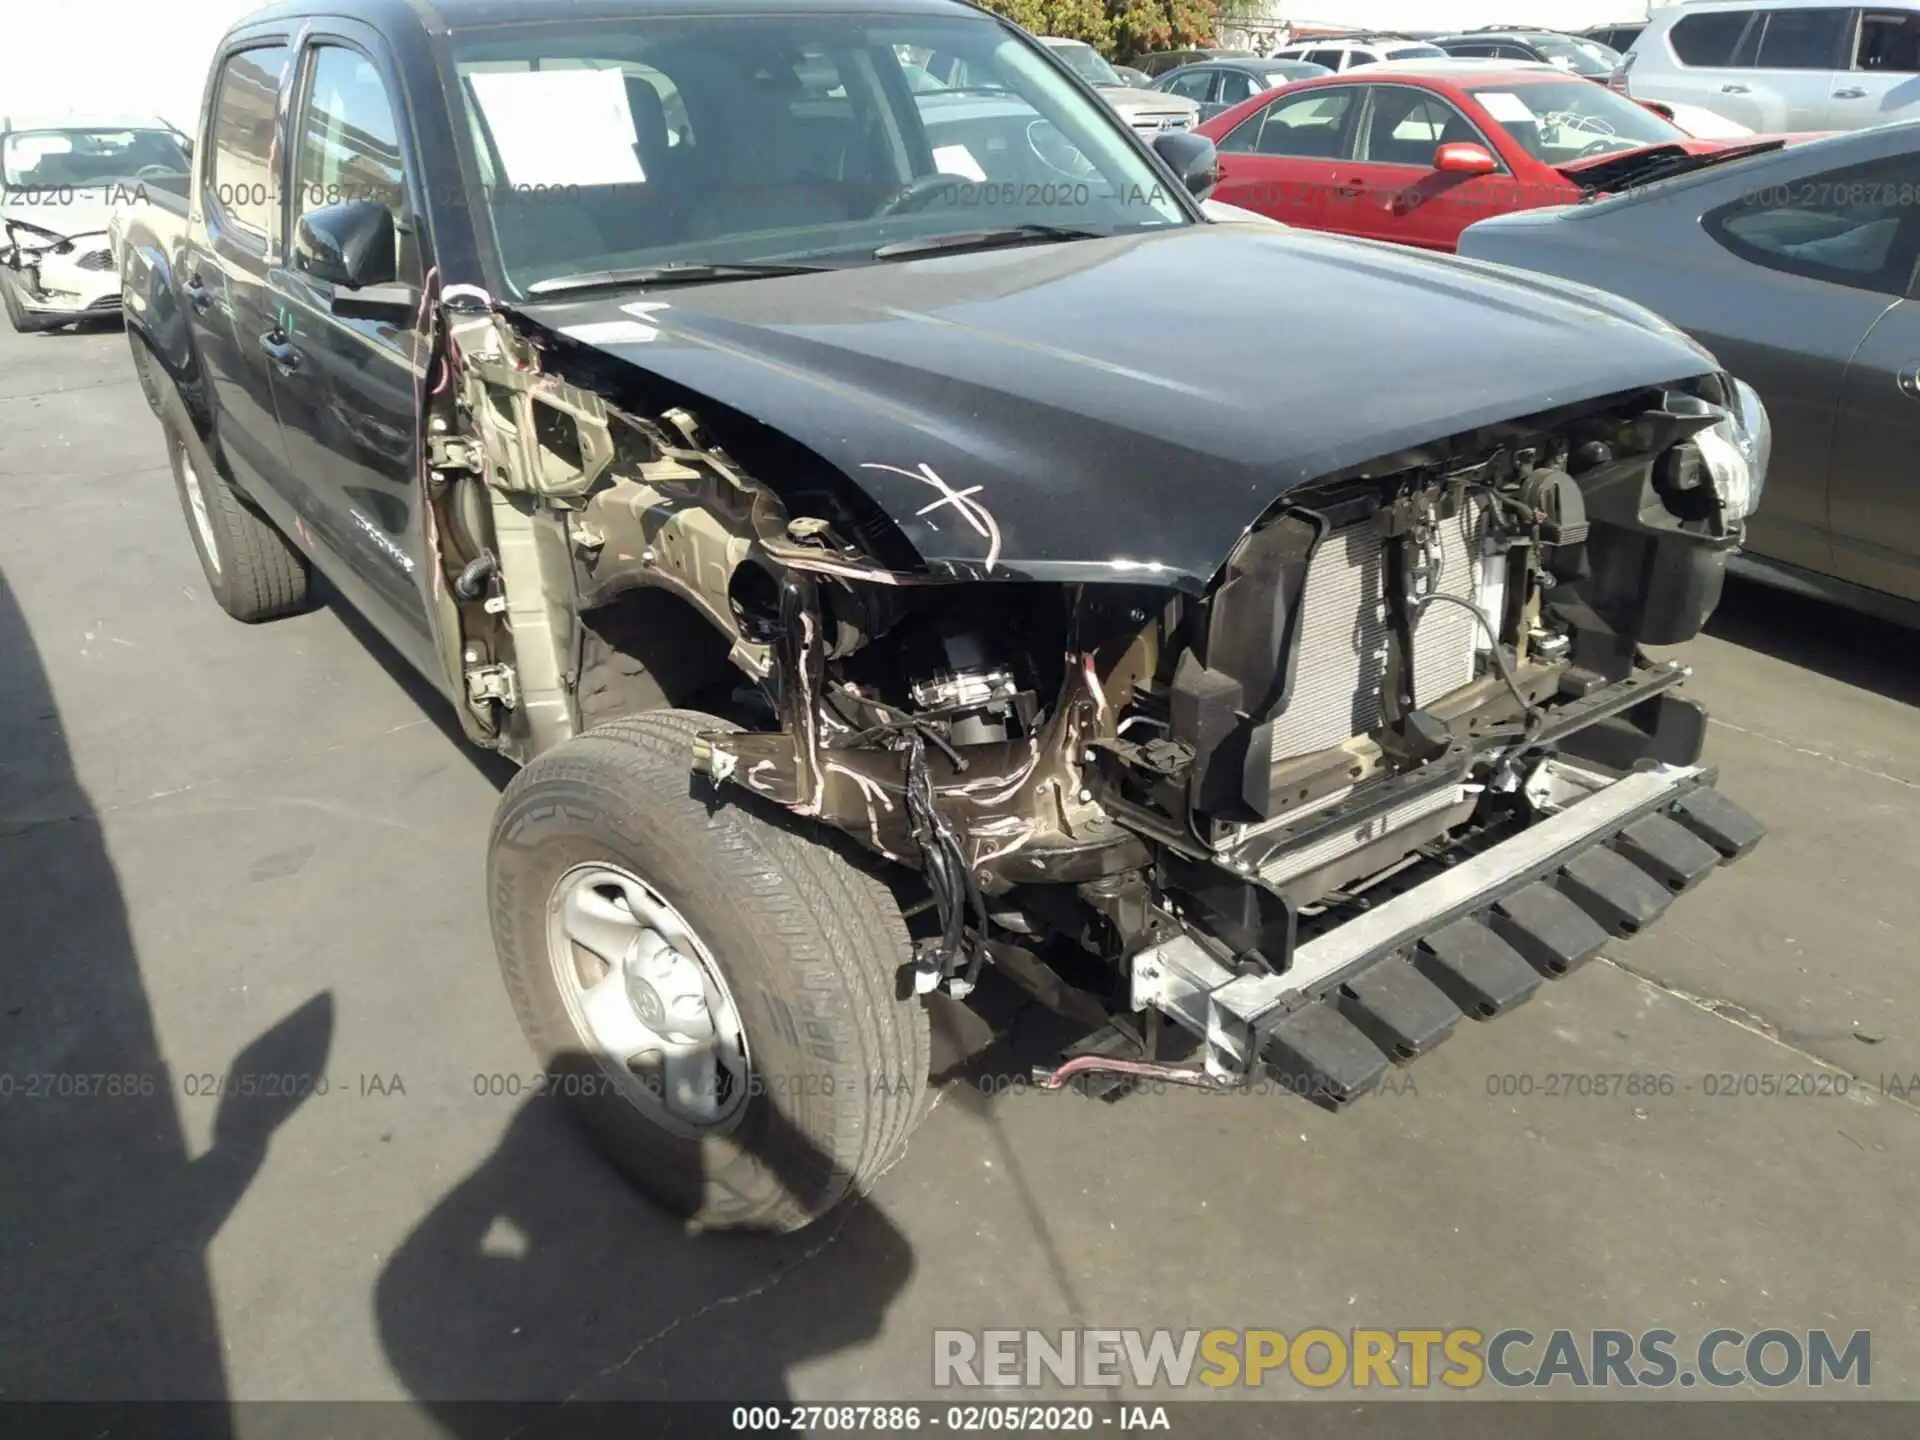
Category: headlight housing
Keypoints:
(1737, 451)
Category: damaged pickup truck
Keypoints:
(899, 535)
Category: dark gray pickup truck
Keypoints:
(900, 535)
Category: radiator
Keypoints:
(1326, 850)
(1344, 635)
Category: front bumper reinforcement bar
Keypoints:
(1606, 860)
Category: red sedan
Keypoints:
(1416, 151)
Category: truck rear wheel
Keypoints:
(251, 568)
(717, 998)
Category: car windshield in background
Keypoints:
(1088, 64)
(782, 140)
(1582, 57)
(55, 160)
(1560, 121)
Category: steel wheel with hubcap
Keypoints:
(642, 988)
(717, 998)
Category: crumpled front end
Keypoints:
(1403, 758)
(55, 274)
(1415, 691)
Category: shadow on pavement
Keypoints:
(1854, 649)
(105, 1217)
(543, 1277)
(432, 704)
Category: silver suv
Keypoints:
(1782, 65)
(1147, 111)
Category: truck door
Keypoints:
(347, 388)
(225, 259)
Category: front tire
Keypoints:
(802, 948)
(18, 316)
(251, 568)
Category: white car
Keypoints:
(60, 180)
(1777, 66)
(1349, 52)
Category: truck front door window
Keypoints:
(240, 178)
(349, 147)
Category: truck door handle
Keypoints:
(197, 295)
(1733, 89)
(1351, 188)
(285, 358)
(1849, 94)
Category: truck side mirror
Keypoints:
(350, 244)
(1193, 158)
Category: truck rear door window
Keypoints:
(240, 181)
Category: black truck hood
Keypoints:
(1126, 408)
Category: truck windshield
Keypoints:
(56, 160)
(781, 139)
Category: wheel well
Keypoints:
(158, 381)
(651, 650)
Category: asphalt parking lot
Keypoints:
(225, 847)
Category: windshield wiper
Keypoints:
(680, 272)
(984, 239)
(1667, 167)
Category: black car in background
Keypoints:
(1797, 269)
(1572, 53)
(1616, 37)
(1165, 60)
(1217, 85)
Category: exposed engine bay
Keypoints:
(1373, 686)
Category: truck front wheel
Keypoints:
(252, 570)
(716, 997)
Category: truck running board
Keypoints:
(1478, 939)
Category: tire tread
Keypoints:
(841, 929)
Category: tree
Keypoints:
(1120, 28)
(1073, 19)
